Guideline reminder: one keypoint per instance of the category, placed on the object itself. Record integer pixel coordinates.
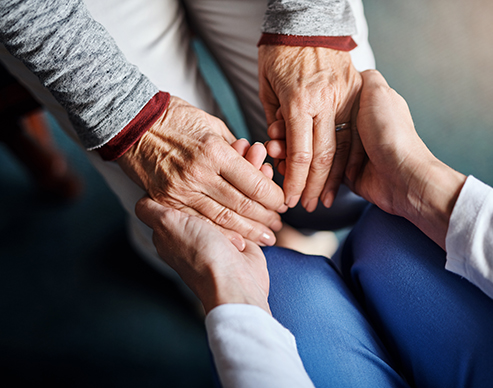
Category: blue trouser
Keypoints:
(394, 312)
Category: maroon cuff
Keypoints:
(133, 131)
(341, 43)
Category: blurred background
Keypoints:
(78, 307)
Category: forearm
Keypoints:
(77, 60)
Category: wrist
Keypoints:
(229, 290)
(431, 197)
(138, 126)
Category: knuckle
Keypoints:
(323, 160)
(224, 217)
(260, 190)
(300, 158)
(245, 206)
(250, 231)
(210, 144)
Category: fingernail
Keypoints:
(267, 239)
(282, 209)
(293, 200)
(312, 205)
(238, 243)
(276, 226)
(328, 199)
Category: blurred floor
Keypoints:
(79, 308)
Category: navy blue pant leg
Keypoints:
(335, 341)
(437, 326)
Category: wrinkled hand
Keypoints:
(206, 261)
(185, 161)
(305, 92)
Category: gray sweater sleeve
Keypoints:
(79, 62)
(309, 18)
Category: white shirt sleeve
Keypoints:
(251, 349)
(469, 241)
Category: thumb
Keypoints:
(152, 213)
(373, 79)
(269, 100)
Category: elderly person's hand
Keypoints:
(185, 161)
(305, 92)
(401, 176)
(207, 262)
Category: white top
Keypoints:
(252, 349)
(469, 239)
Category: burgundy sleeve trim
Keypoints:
(341, 43)
(133, 131)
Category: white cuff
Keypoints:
(469, 241)
(252, 349)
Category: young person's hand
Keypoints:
(401, 176)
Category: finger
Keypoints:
(281, 168)
(373, 79)
(276, 149)
(236, 238)
(232, 198)
(276, 162)
(230, 219)
(299, 152)
(324, 147)
(336, 174)
(279, 114)
(277, 130)
(250, 181)
(149, 211)
(157, 217)
(241, 146)
(268, 98)
(267, 170)
(357, 151)
(256, 155)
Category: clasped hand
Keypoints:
(186, 162)
(305, 92)
(396, 174)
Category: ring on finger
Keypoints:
(340, 127)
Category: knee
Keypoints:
(381, 244)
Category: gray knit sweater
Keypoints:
(77, 60)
